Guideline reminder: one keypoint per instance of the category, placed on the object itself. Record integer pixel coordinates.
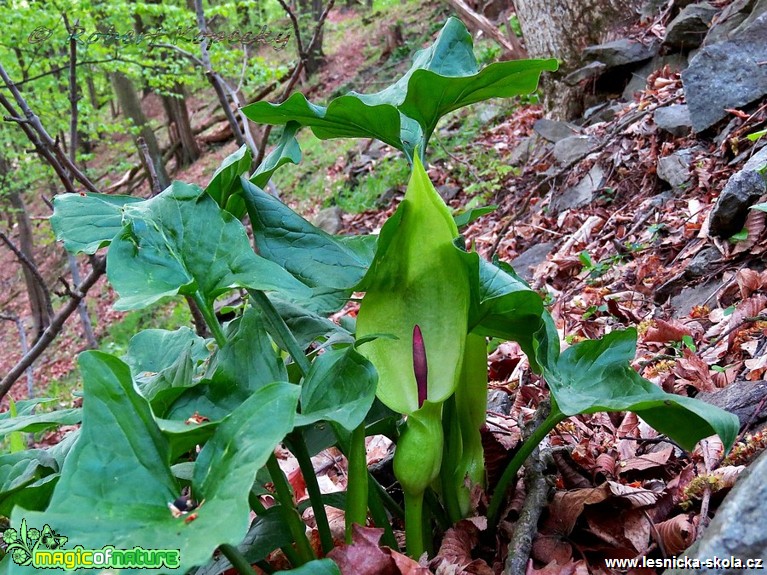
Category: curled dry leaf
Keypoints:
(605, 464)
(693, 371)
(647, 460)
(750, 307)
(454, 555)
(364, 556)
(728, 475)
(666, 331)
(755, 226)
(748, 281)
(676, 534)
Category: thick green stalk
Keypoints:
(289, 513)
(298, 445)
(237, 560)
(414, 534)
(210, 318)
(510, 473)
(357, 490)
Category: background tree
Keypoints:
(562, 29)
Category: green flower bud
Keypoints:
(418, 457)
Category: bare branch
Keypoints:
(50, 333)
(33, 270)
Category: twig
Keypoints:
(727, 332)
(33, 270)
(146, 159)
(50, 333)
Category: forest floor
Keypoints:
(638, 255)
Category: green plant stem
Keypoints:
(237, 560)
(357, 490)
(258, 507)
(301, 452)
(378, 511)
(414, 536)
(289, 513)
(554, 419)
(282, 332)
(210, 319)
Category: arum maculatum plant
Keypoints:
(193, 419)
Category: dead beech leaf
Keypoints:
(728, 475)
(756, 366)
(454, 554)
(363, 556)
(637, 496)
(748, 281)
(605, 464)
(676, 534)
(666, 331)
(755, 226)
(693, 371)
(750, 307)
(556, 568)
(408, 566)
(647, 460)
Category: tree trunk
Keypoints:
(562, 29)
(316, 57)
(35, 292)
(180, 127)
(131, 107)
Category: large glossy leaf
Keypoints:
(244, 365)
(340, 387)
(313, 256)
(307, 327)
(39, 421)
(25, 470)
(86, 222)
(119, 471)
(595, 376)
(224, 186)
(164, 363)
(286, 151)
(504, 306)
(442, 78)
(181, 242)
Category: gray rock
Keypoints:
(689, 297)
(488, 112)
(675, 168)
(703, 263)
(727, 75)
(588, 72)
(638, 81)
(329, 219)
(620, 52)
(730, 18)
(690, 26)
(447, 191)
(499, 401)
(523, 151)
(553, 130)
(574, 148)
(738, 528)
(528, 260)
(580, 194)
(674, 119)
(757, 162)
(729, 213)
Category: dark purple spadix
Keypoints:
(419, 364)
